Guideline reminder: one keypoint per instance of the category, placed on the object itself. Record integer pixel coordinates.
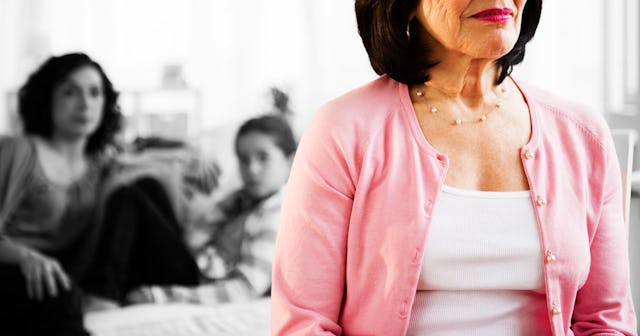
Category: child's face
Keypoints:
(263, 165)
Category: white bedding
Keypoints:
(249, 318)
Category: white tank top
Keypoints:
(482, 267)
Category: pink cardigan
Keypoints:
(359, 203)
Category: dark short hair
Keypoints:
(382, 25)
(274, 126)
(35, 100)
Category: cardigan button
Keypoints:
(541, 201)
(550, 257)
(528, 154)
(556, 310)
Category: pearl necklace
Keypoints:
(459, 121)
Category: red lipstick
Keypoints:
(498, 15)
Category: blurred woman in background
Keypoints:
(81, 221)
(49, 186)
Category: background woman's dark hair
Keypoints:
(383, 24)
(35, 100)
(274, 126)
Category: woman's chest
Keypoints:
(46, 201)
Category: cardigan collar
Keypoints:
(411, 121)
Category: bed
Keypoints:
(247, 318)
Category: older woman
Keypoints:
(447, 198)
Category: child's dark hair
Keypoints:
(274, 126)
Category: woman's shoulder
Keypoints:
(16, 142)
(16, 148)
(358, 114)
(367, 103)
(555, 110)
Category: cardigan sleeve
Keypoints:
(309, 265)
(16, 161)
(604, 304)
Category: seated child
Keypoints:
(236, 253)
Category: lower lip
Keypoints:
(493, 18)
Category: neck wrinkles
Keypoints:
(467, 80)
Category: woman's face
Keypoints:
(477, 28)
(78, 102)
(263, 165)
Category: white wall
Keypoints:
(566, 55)
(232, 51)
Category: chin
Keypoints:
(495, 50)
(498, 44)
(76, 134)
(86, 133)
(84, 130)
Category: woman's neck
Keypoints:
(72, 150)
(470, 81)
(63, 161)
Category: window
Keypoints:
(622, 57)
